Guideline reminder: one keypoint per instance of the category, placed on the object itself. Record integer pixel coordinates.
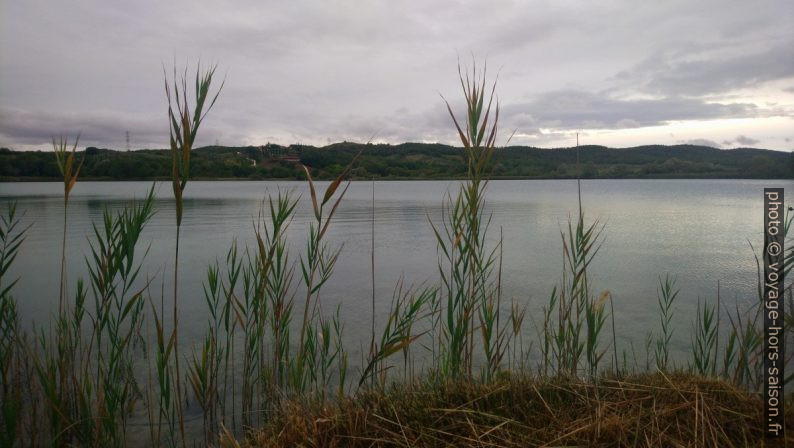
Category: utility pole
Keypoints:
(127, 139)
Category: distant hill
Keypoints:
(411, 161)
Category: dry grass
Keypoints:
(647, 410)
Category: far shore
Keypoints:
(389, 179)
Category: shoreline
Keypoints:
(389, 179)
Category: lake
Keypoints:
(697, 230)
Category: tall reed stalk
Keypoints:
(467, 267)
(69, 172)
(183, 127)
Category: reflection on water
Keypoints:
(695, 229)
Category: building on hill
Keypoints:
(280, 153)
(291, 157)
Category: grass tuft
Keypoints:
(646, 410)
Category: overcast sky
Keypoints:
(622, 73)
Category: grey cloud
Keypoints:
(37, 129)
(578, 109)
(698, 72)
(746, 141)
(433, 124)
(548, 116)
(741, 140)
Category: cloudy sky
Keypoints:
(621, 73)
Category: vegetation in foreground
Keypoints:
(640, 410)
(110, 357)
(414, 161)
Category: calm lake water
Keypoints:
(697, 230)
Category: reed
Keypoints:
(573, 319)
(788, 259)
(788, 291)
(202, 379)
(667, 293)
(279, 271)
(12, 366)
(212, 373)
(88, 383)
(397, 334)
(466, 266)
(204, 368)
(704, 341)
(317, 266)
(69, 172)
(12, 235)
(250, 313)
(230, 322)
(165, 394)
(743, 354)
(183, 127)
(259, 314)
(517, 315)
(595, 317)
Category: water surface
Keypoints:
(697, 230)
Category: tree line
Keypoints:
(410, 161)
